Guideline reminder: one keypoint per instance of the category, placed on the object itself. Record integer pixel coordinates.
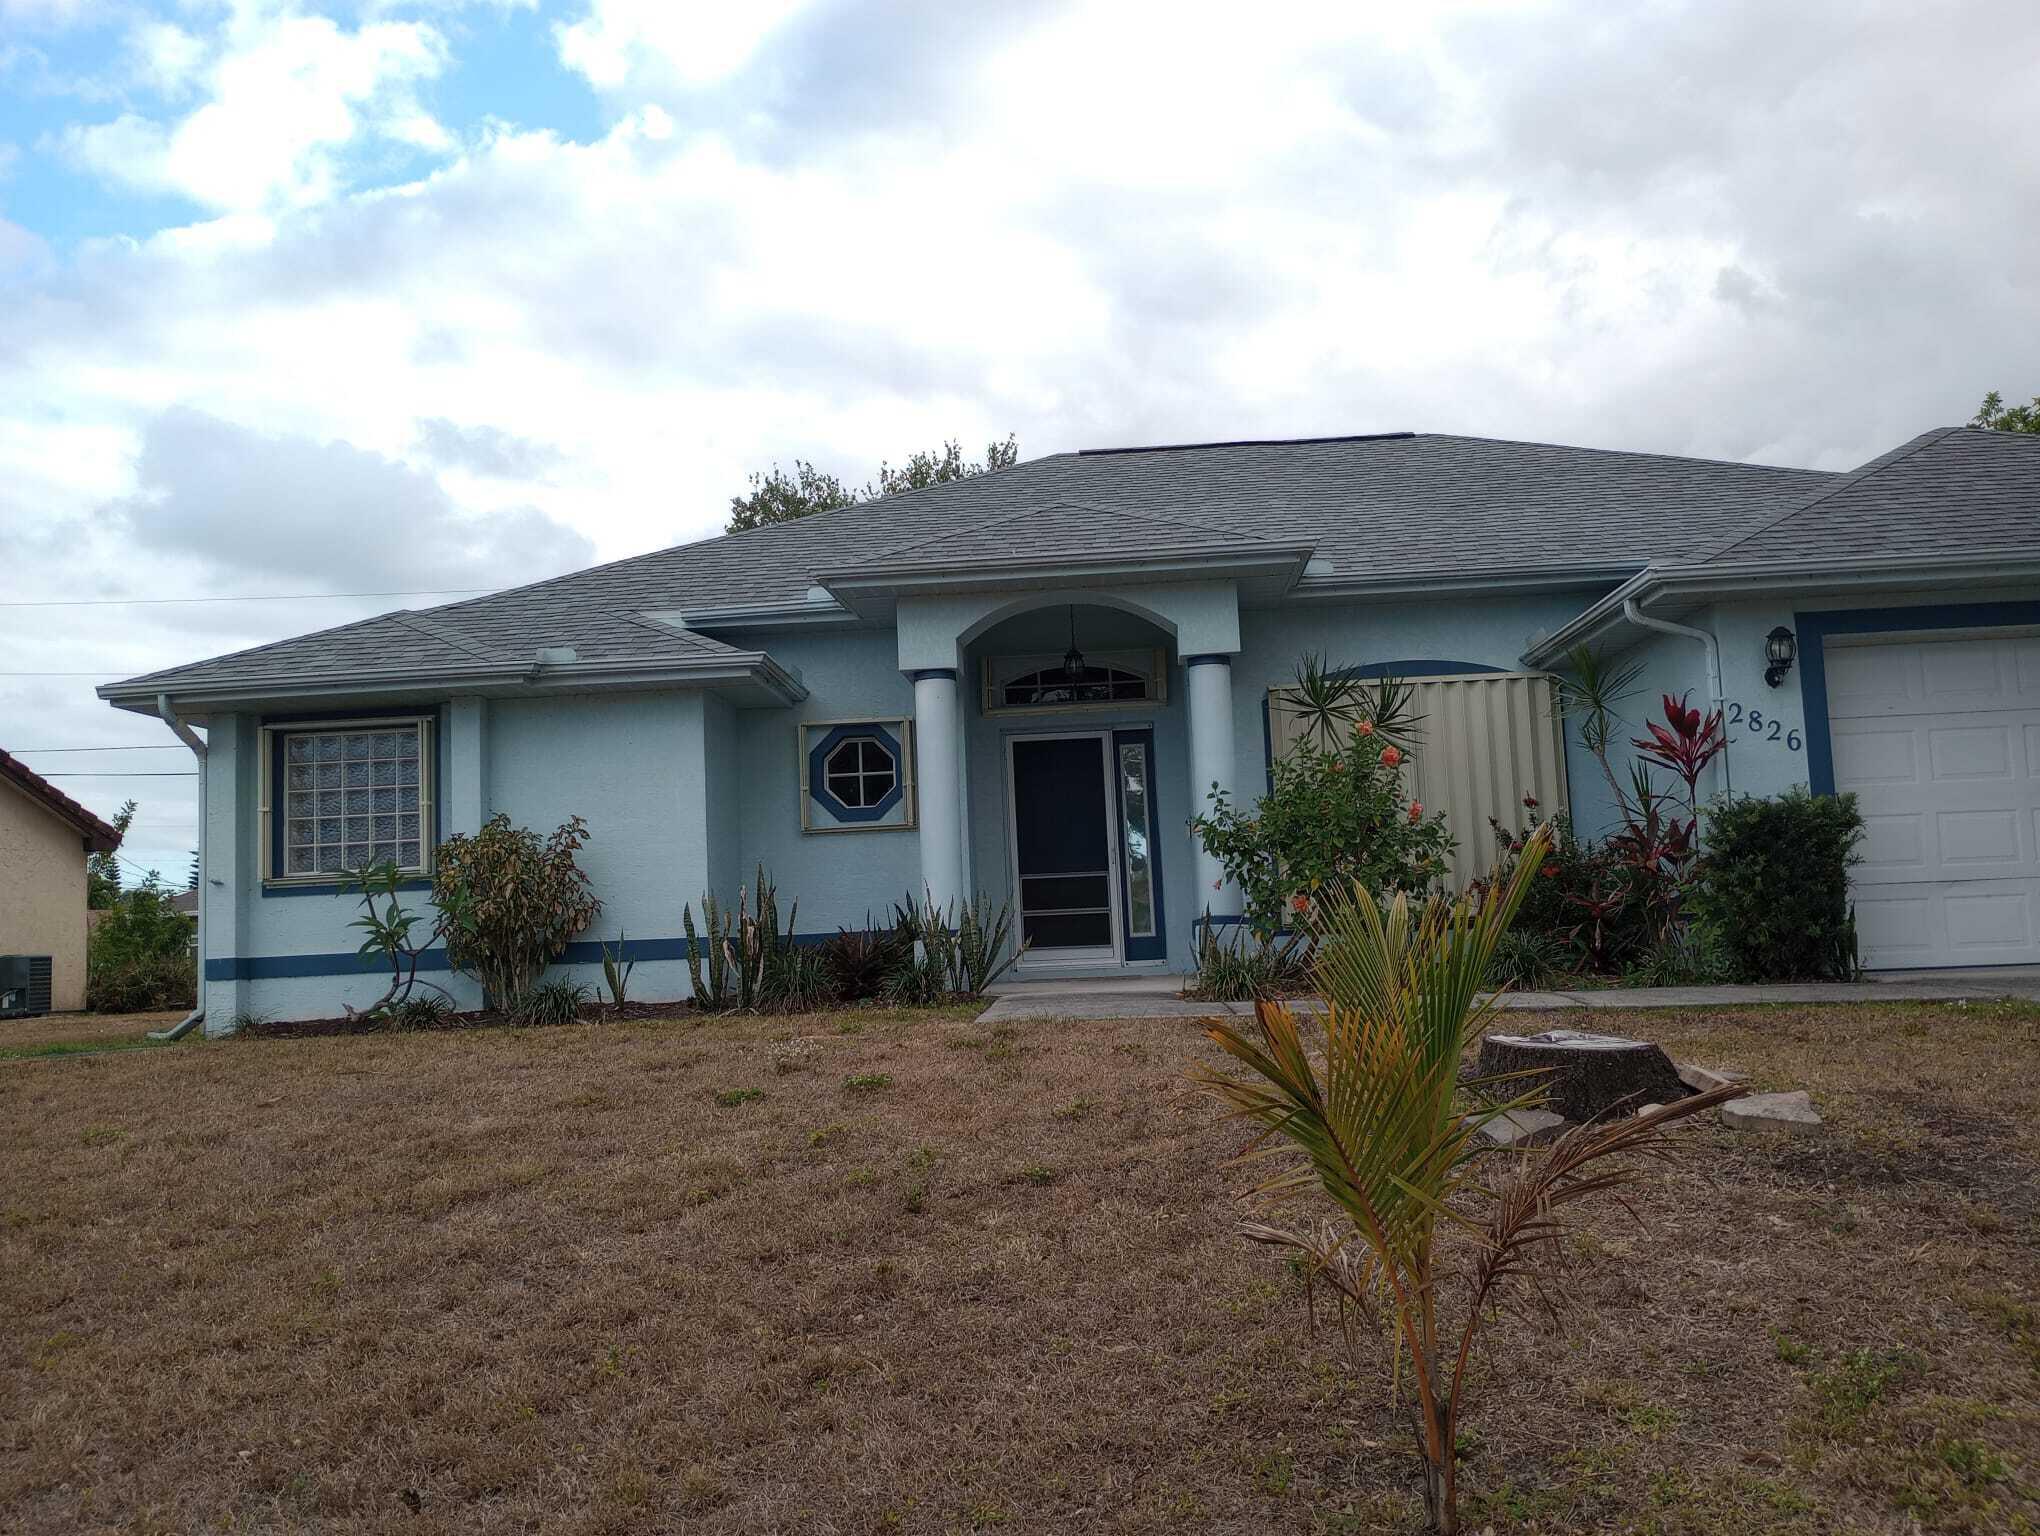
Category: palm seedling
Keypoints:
(1377, 1113)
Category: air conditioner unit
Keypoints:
(24, 985)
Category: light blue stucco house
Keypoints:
(1023, 684)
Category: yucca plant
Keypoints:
(746, 951)
(616, 971)
(1328, 704)
(1377, 1111)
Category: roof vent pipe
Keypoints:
(194, 741)
(1706, 637)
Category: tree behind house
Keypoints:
(778, 496)
(102, 870)
(1999, 417)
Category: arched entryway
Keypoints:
(1077, 782)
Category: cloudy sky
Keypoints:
(382, 297)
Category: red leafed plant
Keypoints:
(1692, 742)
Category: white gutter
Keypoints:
(1824, 577)
(1707, 638)
(192, 740)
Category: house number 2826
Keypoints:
(1762, 727)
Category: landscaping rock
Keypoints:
(1707, 1079)
(1791, 1113)
(1523, 1128)
(1584, 1075)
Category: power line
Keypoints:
(276, 597)
(146, 773)
(158, 746)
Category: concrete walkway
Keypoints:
(1160, 997)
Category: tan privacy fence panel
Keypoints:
(1487, 740)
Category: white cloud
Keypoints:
(657, 44)
(1723, 229)
(164, 58)
(286, 99)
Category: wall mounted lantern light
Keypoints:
(1779, 648)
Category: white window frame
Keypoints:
(270, 744)
(1150, 664)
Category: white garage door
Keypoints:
(1940, 741)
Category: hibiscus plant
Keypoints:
(1336, 811)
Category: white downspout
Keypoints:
(192, 740)
(1637, 616)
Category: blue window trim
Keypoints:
(434, 714)
(818, 755)
(1813, 628)
(1154, 946)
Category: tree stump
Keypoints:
(1583, 1075)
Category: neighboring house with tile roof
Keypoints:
(877, 701)
(45, 836)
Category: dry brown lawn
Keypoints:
(56, 1034)
(909, 1273)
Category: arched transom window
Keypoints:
(1047, 682)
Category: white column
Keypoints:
(937, 753)
(1209, 687)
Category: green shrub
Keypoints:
(509, 903)
(1332, 817)
(550, 1002)
(742, 960)
(1529, 960)
(1690, 956)
(1774, 884)
(861, 959)
(141, 984)
(938, 955)
(1589, 901)
(422, 1011)
(1236, 964)
(139, 957)
(803, 982)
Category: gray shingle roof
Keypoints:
(1949, 491)
(1377, 506)
(1059, 531)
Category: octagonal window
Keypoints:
(860, 772)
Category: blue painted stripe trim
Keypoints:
(919, 673)
(1813, 628)
(1208, 659)
(352, 892)
(346, 963)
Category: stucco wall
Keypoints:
(836, 876)
(1765, 758)
(42, 893)
(638, 767)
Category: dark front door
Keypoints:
(1062, 847)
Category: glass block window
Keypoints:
(860, 772)
(352, 796)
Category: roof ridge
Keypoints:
(1843, 482)
(435, 630)
(1627, 453)
(981, 529)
